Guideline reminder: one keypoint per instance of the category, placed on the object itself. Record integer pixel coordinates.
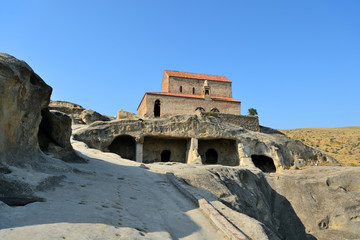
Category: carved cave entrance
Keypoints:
(218, 151)
(266, 164)
(165, 156)
(211, 156)
(125, 146)
(164, 149)
(157, 108)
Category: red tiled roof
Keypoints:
(197, 76)
(224, 99)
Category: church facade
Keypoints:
(185, 93)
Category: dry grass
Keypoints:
(341, 143)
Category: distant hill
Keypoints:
(341, 143)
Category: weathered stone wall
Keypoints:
(284, 151)
(218, 89)
(226, 150)
(154, 146)
(245, 121)
(175, 105)
(124, 146)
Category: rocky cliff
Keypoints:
(284, 151)
(314, 202)
(319, 202)
(24, 96)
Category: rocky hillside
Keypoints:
(341, 143)
(55, 187)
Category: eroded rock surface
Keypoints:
(320, 202)
(285, 152)
(77, 113)
(126, 115)
(23, 94)
(71, 109)
(89, 116)
(326, 199)
(24, 167)
(54, 136)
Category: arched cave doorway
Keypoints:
(214, 110)
(211, 156)
(157, 108)
(125, 146)
(165, 156)
(266, 164)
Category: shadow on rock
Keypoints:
(248, 192)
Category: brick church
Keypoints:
(185, 93)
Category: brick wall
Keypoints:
(218, 89)
(141, 111)
(165, 83)
(170, 105)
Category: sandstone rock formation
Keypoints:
(284, 151)
(316, 202)
(126, 115)
(77, 113)
(326, 199)
(320, 202)
(71, 109)
(89, 116)
(54, 136)
(23, 95)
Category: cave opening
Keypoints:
(165, 156)
(211, 156)
(125, 146)
(264, 163)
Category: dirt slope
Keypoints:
(341, 143)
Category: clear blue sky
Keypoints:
(296, 62)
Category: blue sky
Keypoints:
(296, 62)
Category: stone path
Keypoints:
(115, 196)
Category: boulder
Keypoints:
(71, 109)
(126, 115)
(23, 166)
(54, 136)
(23, 94)
(89, 116)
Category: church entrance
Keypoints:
(157, 108)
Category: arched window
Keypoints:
(207, 92)
(200, 109)
(214, 110)
(181, 89)
(157, 108)
(193, 90)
